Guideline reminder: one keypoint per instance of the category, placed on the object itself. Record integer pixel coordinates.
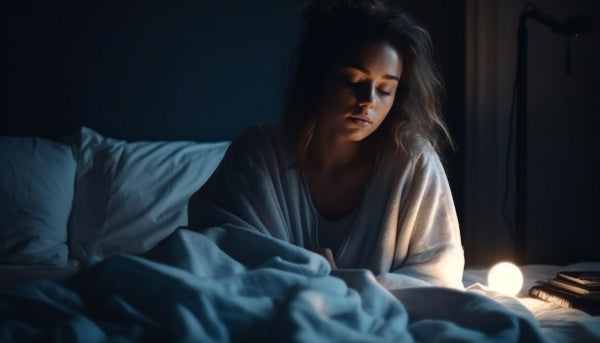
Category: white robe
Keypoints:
(405, 231)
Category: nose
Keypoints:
(366, 96)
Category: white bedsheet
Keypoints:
(558, 324)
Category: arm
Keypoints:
(242, 191)
(428, 248)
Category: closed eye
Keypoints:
(352, 82)
(357, 82)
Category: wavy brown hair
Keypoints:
(333, 26)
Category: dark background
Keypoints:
(144, 69)
(200, 70)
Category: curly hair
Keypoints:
(332, 26)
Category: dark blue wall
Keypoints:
(170, 69)
(144, 69)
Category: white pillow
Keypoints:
(130, 195)
(36, 193)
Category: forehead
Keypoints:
(376, 57)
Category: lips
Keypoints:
(362, 120)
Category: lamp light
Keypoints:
(505, 278)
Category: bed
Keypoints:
(95, 248)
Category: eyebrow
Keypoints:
(367, 71)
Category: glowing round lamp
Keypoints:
(505, 278)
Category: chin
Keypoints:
(357, 136)
(355, 133)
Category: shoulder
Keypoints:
(259, 140)
(427, 166)
(419, 146)
(418, 164)
(418, 152)
(424, 152)
(256, 131)
(256, 136)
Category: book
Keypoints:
(586, 303)
(586, 278)
(573, 287)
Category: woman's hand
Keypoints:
(327, 254)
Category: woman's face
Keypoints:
(359, 91)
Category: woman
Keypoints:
(351, 171)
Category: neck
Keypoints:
(329, 152)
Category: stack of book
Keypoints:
(574, 289)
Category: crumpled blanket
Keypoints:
(232, 284)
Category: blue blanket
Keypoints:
(231, 284)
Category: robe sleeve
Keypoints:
(428, 245)
(241, 191)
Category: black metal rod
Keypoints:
(521, 146)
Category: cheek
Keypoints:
(337, 99)
(384, 109)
